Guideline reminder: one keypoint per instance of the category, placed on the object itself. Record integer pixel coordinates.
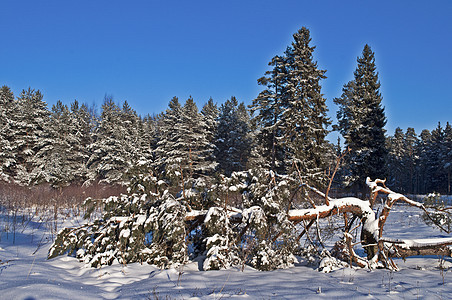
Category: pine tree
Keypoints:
(290, 114)
(266, 111)
(397, 160)
(304, 117)
(32, 118)
(447, 156)
(82, 124)
(411, 142)
(108, 161)
(50, 162)
(184, 153)
(233, 140)
(7, 114)
(361, 121)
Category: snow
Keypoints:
(25, 273)
(125, 233)
(425, 242)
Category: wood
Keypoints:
(403, 249)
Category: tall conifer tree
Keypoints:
(82, 126)
(411, 142)
(51, 162)
(304, 117)
(361, 121)
(233, 140)
(397, 160)
(447, 157)
(267, 113)
(290, 114)
(7, 115)
(108, 161)
(32, 119)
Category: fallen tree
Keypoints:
(378, 248)
(151, 225)
(417, 247)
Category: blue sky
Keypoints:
(146, 52)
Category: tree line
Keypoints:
(283, 130)
(421, 164)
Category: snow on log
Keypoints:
(406, 248)
(349, 204)
(378, 186)
(342, 205)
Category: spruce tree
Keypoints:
(233, 140)
(397, 160)
(50, 162)
(435, 155)
(210, 112)
(108, 161)
(411, 142)
(447, 156)
(194, 138)
(130, 140)
(82, 124)
(168, 155)
(32, 119)
(304, 117)
(290, 114)
(361, 121)
(423, 149)
(7, 115)
(266, 111)
(184, 153)
(149, 138)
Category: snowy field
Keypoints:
(25, 273)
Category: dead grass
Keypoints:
(20, 205)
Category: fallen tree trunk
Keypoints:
(419, 247)
(355, 206)
(376, 247)
(158, 230)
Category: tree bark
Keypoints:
(406, 248)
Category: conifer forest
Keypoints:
(230, 184)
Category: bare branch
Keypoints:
(392, 198)
(338, 162)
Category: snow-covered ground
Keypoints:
(25, 273)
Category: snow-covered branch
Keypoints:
(405, 248)
(378, 186)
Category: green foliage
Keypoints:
(290, 114)
(220, 250)
(266, 197)
(361, 121)
(233, 138)
(168, 246)
(149, 225)
(437, 215)
(139, 227)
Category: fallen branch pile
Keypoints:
(379, 249)
(154, 226)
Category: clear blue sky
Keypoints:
(146, 52)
